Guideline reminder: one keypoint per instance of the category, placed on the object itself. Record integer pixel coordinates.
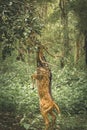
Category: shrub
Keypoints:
(70, 90)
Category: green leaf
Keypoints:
(26, 126)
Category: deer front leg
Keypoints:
(34, 77)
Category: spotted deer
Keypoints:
(47, 104)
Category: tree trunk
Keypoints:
(86, 47)
(77, 48)
(64, 19)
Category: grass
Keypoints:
(17, 96)
(74, 122)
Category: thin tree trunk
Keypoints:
(64, 19)
(86, 47)
(77, 48)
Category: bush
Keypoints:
(68, 88)
(70, 91)
(16, 92)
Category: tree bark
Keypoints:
(85, 47)
(64, 21)
(77, 48)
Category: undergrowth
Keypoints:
(69, 90)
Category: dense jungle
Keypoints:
(60, 26)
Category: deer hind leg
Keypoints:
(45, 117)
(53, 116)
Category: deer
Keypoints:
(47, 104)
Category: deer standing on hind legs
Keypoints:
(43, 78)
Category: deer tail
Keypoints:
(57, 108)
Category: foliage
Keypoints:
(80, 9)
(43, 1)
(71, 89)
(19, 21)
(74, 122)
(15, 86)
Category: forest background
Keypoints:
(61, 27)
